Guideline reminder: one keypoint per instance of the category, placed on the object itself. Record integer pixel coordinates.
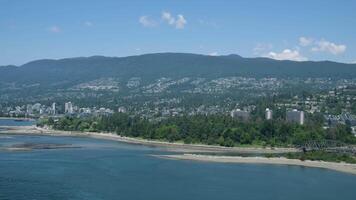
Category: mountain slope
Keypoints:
(151, 66)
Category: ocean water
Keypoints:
(12, 122)
(102, 169)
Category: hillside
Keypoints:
(70, 71)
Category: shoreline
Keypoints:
(191, 151)
(340, 167)
(18, 118)
(175, 147)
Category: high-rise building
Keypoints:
(53, 108)
(121, 109)
(295, 116)
(29, 109)
(237, 113)
(68, 107)
(268, 114)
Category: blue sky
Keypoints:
(294, 30)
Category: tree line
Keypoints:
(207, 129)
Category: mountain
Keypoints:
(72, 71)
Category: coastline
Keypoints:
(18, 118)
(191, 151)
(175, 147)
(340, 167)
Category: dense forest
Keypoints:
(212, 129)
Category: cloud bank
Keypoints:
(178, 22)
(330, 47)
(305, 44)
(146, 21)
(287, 54)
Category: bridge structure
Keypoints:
(334, 146)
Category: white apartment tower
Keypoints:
(295, 116)
(237, 113)
(68, 107)
(268, 114)
(53, 108)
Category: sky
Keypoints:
(285, 30)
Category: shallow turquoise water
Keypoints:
(111, 170)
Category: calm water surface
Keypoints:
(110, 170)
(12, 122)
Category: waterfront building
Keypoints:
(68, 108)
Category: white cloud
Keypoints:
(54, 29)
(303, 41)
(147, 21)
(88, 24)
(166, 16)
(295, 54)
(287, 54)
(213, 54)
(330, 47)
(181, 22)
(178, 23)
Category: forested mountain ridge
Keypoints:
(71, 71)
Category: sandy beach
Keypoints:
(341, 167)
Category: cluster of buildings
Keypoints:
(345, 118)
(29, 110)
(70, 109)
(292, 116)
(39, 110)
